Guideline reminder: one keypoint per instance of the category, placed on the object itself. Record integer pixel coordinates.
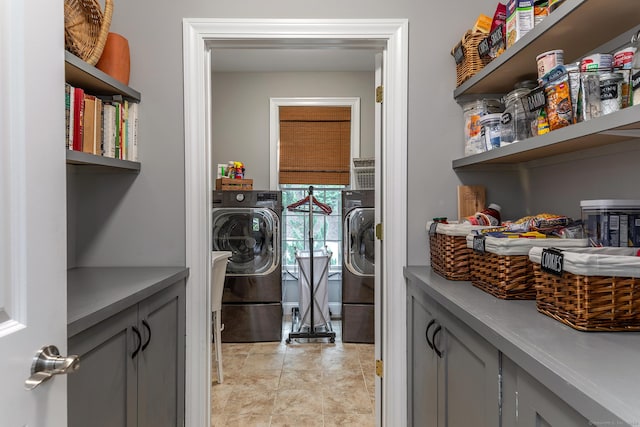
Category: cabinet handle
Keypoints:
(137, 332)
(426, 333)
(433, 338)
(146, 325)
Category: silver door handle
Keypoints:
(47, 362)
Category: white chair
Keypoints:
(219, 261)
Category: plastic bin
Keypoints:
(612, 222)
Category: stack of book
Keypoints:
(101, 125)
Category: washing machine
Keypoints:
(358, 266)
(248, 224)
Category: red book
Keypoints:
(78, 95)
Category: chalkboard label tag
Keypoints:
(552, 261)
(536, 99)
(432, 228)
(458, 53)
(483, 48)
(635, 81)
(478, 244)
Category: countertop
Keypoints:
(597, 373)
(95, 294)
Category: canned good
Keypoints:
(597, 62)
(623, 59)
(547, 61)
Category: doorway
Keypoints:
(322, 34)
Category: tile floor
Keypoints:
(310, 383)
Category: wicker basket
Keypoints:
(608, 300)
(449, 254)
(472, 62)
(86, 28)
(504, 270)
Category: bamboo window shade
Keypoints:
(315, 145)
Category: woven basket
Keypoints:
(503, 276)
(86, 28)
(449, 254)
(472, 63)
(590, 303)
(504, 269)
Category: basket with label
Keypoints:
(501, 266)
(589, 289)
(448, 248)
(467, 57)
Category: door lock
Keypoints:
(47, 362)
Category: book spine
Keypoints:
(67, 114)
(78, 118)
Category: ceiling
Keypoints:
(296, 59)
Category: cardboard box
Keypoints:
(520, 19)
(234, 184)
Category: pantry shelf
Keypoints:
(577, 27)
(87, 159)
(617, 127)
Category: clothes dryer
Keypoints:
(247, 223)
(358, 266)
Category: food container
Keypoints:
(589, 289)
(547, 61)
(491, 125)
(597, 62)
(623, 59)
(516, 119)
(610, 92)
(472, 112)
(612, 222)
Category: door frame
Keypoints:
(198, 34)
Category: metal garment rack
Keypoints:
(313, 206)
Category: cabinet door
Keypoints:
(468, 377)
(102, 393)
(422, 364)
(539, 407)
(161, 360)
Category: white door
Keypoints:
(32, 208)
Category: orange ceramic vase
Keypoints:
(115, 60)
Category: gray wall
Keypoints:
(240, 116)
(142, 220)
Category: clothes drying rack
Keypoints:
(310, 205)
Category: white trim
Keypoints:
(274, 128)
(197, 33)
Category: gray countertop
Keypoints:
(94, 294)
(597, 373)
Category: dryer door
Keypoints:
(253, 237)
(359, 241)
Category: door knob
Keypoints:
(47, 362)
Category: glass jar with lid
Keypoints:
(472, 112)
(516, 119)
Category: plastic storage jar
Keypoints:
(472, 112)
(611, 222)
(610, 92)
(516, 120)
(490, 132)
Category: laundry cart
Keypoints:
(312, 317)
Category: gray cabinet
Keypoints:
(453, 372)
(132, 366)
(528, 403)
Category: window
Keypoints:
(327, 229)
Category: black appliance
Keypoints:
(358, 266)
(247, 223)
